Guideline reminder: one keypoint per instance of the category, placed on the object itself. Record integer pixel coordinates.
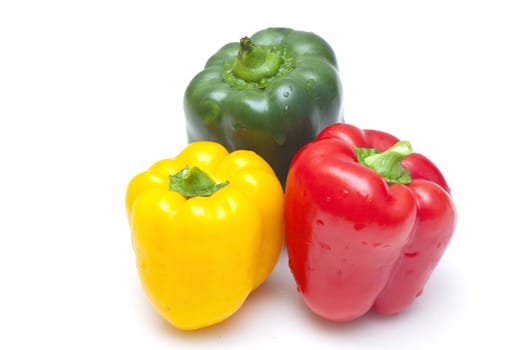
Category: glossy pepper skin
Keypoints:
(207, 228)
(364, 236)
(271, 93)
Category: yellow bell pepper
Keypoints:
(207, 229)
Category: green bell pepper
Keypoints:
(271, 93)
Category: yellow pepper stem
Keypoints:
(193, 182)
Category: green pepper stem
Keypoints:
(255, 63)
(193, 182)
(387, 163)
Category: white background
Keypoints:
(91, 94)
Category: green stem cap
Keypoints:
(387, 163)
(255, 63)
(193, 182)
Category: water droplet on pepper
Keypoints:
(279, 138)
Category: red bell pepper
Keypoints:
(366, 220)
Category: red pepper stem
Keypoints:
(193, 182)
(387, 163)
